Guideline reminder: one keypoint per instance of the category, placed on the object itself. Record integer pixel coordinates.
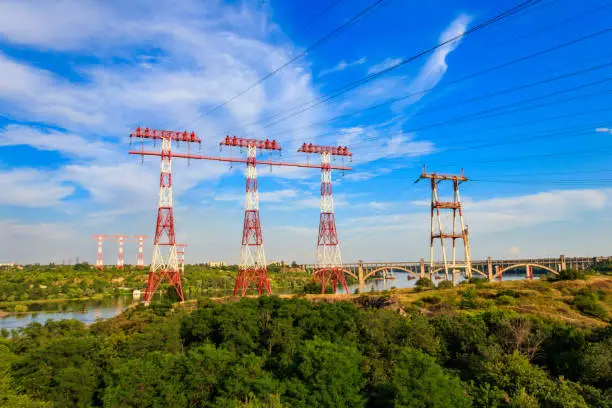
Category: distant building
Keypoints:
(216, 264)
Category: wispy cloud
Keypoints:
(341, 66)
(387, 63)
(33, 188)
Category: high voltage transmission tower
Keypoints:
(180, 252)
(120, 239)
(329, 262)
(140, 238)
(253, 267)
(100, 260)
(165, 262)
(457, 224)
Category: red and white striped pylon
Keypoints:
(253, 265)
(329, 261)
(180, 252)
(140, 238)
(100, 259)
(121, 239)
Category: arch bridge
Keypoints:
(491, 269)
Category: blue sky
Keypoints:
(78, 76)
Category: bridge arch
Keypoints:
(346, 272)
(399, 268)
(524, 265)
(471, 269)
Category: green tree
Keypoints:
(326, 375)
(420, 382)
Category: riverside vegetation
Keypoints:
(46, 286)
(510, 344)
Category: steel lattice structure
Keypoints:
(462, 234)
(120, 239)
(100, 259)
(140, 238)
(180, 252)
(329, 260)
(165, 262)
(253, 266)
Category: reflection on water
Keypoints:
(86, 311)
(405, 280)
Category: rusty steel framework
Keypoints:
(165, 262)
(100, 259)
(252, 255)
(329, 261)
(457, 224)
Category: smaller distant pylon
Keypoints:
(121, 239)
(180, 252)
(100, 259)
(140, 238)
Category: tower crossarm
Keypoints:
(146, 133)
(444, 236)
(332, 150)
(233, 141)
(448, 205)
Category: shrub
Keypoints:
(424, 283)
(432, 300)
(469, 298)
(21, 309)
(445, 284)
(587, 302)
(508, 293)
(571, 274)
(506, 300)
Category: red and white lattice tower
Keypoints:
(140, 238)
(121, 239)
(165, 262)
(100, 259)
(329, 262)
(252, 267)
(180, 252)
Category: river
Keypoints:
(89, 311)
(86, 311)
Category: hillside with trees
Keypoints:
(470, 346)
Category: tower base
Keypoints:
(330, 276)
(155, 279)
(246, 277)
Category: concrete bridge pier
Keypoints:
(563, 264)
(361, 275)
(422, 274)
(490, 269)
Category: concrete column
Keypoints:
(490, 269)
(562, 260)
(361, 275)
(422, 268)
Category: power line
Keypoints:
(486, 114)
(319, 15)
(471, 76)
(317, 43)
(317, 101)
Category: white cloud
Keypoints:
(387, 63)
(32, 188)
(436, 66)
(71, 144)
(341, 66)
